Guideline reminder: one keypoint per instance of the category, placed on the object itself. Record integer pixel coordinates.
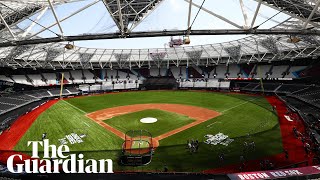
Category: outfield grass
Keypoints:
(61, 120)
(178, 158)
(241, 114)
(215, 101)
(167, 121)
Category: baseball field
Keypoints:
(103, 120)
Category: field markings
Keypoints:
(86, 124)
(238, 105)
(214, 123)
(75, 107)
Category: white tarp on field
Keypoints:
(219, 138)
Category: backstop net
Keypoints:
(137, 148)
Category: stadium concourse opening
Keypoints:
(138, 148)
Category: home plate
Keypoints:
(148, 120)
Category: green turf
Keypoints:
(62, 119)
(241, 114)
(167, 121)
(215, 101)
(178, 158)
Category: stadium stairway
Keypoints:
(290, 143)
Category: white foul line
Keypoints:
(238, 105)
(75, 107)
(213, 123)
(86, 124)
(232, 108)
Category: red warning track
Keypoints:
(9, 138)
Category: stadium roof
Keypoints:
(26, 41)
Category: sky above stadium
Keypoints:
(170, 15)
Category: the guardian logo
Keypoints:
(51, 163)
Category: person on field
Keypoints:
(253, 145)
(286, 154)
(262, 165)
(196, 145)
(221, 158)
(307, 148)
(190, 146)
(242, 160)
(165, 168)
(271, 166)
(44, 136)
(245, 144)
(295, 132)
(245, 147)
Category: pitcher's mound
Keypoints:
(148, 120)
